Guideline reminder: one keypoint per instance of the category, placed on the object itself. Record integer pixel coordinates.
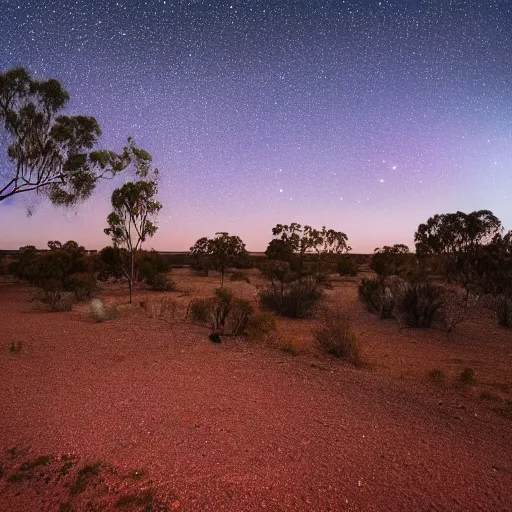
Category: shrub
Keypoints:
(101, 312)
(346, 266)
(436, 376)
(239, 276)
(224, 313)
(417, 303)
(161, 309)
(503, 306)
(150, 264)
(161, 283)
(59, 300)
(82, 285)
(377, 297)
(297, 299)
(241, 311)
(261, 325)
(454, 308)
(336, 337)
(467, 377)
(200, 310)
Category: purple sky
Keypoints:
(366, 117)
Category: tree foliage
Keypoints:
(392, 260)
(219, 253)
(135, 208)
(49, 153)
(455, 233)
(299, 241)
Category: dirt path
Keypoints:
(235, 427)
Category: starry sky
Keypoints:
(365, 116)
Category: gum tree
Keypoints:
(135, 208)
(47, 152)
(220, 253)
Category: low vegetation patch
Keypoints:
(101, 312)
(437, 376)
(239, 276)
(261, 326)
(377, 297)
(296, 299)
(417, 303)
(466, 377)
(336, 337)
(84, 476)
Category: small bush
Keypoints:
(200, 310)
(503, 307)
(101, 312)
(220, 308)
(161, 309)
(261, 325)
(436, 376)
(239, 276)
(82, 285)
(467, 377)
(454, 308)
(346, 266)
(241, 311)
(417, 303)
(335, 337)
(377, 297)
(59, 301)
(297, 299)
(161, 283)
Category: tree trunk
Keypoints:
(132, 274)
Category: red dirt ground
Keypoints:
(239, 427)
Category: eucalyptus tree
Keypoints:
(47, 152)
(220, 252)
(135, 209)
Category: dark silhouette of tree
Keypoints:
(456, 233)
(219, 253)
(458, 239)
(391, 260)
(135, 208)
(49, 153)
(301, 241)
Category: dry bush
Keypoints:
(262, 326)
(297, 299)
(161, 309)
(455, 306)
(237, 275)
(377, 297)
(417, 304)
(100, 312)
(224, 313)
(159, 282)
(336, 337)
(200, 310)
(239, 315)
(59, 300)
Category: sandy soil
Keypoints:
(140, 414)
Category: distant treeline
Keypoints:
(182, 259)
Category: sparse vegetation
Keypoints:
(466, 377)
(417, 303)
(346, 266)
(102, 312)
(377, 297)
(437, 376)
(336, 337)
(84, 476)
(261, 325)
(237, 275)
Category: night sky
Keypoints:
(365, 116)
